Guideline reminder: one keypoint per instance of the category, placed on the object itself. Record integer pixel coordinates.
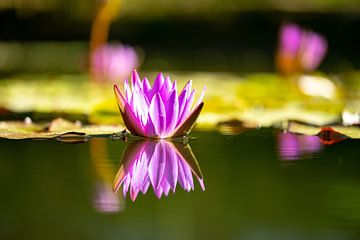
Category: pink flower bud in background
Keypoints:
(113, 62)
(299, 50)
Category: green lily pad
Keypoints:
(262, 99)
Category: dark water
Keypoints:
(259, 185)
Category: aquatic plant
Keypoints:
(299, 50)
(158, 111)
(113, 62)
(161, 164)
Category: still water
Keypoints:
(259, 184)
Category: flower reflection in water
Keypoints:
(104, 199)
(293, 147)
(160, 164)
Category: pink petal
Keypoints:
(127, 89)
(290, 37)
(132, 123)
(172, 112)
(183, 97)
(187, 107)
(149, 148)
(126, 185)
(140, 105)
(188, 175)
(159, 81)
(165, 89)
(174, 86)
(133, 193)
(171, 167)
(119, 98)
(314, 50)
(157, 166)
(140, 171)
(158, 192)
(188, 123)
(158, 114)
(146, 185)
(136, 82)
(165, 186)
(182, 101)
(181, 175)
(150, 128)
(146, 88)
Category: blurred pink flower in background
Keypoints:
(113, 62)
(159, 164)
(299, 50)
(293, 146)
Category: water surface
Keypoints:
(259, 184)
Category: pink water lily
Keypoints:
(158, 111)
(299, 50)
(161, 165)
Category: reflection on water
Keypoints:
(161, 164)
(293, 147)
(57, 191)
(104, 200)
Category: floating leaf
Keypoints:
(60, 124)
(329, 136)
(61, 129)
(261, 99)
(327, 133)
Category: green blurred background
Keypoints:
(213, 35)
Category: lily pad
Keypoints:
(55, 129)
(261, 99)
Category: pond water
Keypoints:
(259, 184)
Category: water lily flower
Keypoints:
(161, 165)
(299, 50)
(158, 111)
(113, 62)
